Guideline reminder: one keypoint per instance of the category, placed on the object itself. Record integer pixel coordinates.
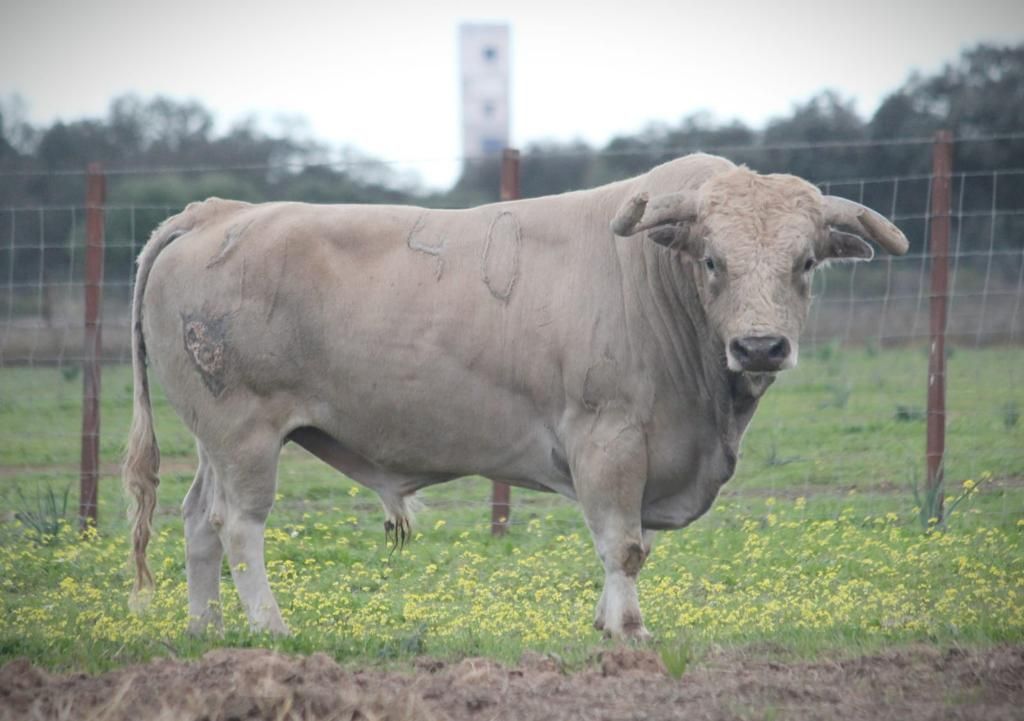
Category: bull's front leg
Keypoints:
(599, 614)
(609, 467)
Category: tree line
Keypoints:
(978, 95)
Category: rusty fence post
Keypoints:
(510, 174)
(501, 500)
(942, 171)
(95, 196)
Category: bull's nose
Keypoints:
(760, 353)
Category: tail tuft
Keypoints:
(141, 465)
(142, 455)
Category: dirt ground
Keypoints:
(913, 683)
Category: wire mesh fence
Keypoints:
(863, 373)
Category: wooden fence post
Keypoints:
(942, 170)
(95, 196)
(501, 501)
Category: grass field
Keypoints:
(815, 546)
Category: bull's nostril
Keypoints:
(779, 350)
(739, 350)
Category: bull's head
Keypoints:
(754, 242)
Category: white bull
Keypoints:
(610, 345)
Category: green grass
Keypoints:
(814, 547)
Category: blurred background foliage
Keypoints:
(180, 156)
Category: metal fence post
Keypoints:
(501, 501)
(942, 168)
(95, 196)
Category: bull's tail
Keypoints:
(142, 455)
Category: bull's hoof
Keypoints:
(280, 631)
(632, 633)
(274, 627)
(205, 625)
(198, 629)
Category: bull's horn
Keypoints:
(865, 222)
(638, 214)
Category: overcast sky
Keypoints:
(382, 76)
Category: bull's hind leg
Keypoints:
(204, 552)
(247, 478)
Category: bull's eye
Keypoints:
(709, 264)
(809, 265)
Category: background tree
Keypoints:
(185, 158)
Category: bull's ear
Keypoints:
(839, 246)
(678, 237)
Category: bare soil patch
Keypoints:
(910, 683)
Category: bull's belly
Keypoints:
(447, 437)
